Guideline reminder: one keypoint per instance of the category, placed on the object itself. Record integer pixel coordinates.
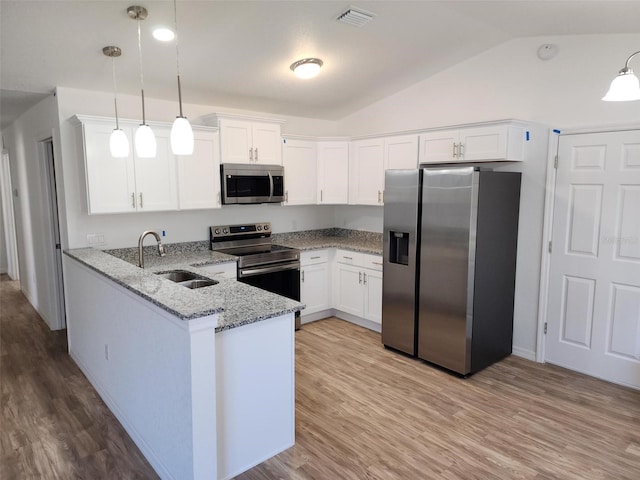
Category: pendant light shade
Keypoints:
(145, 142)
(181, 137)
(118, 142)
(181, 131)
(625, 87)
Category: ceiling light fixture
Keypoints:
(118, 142)
(145, 140)
(181, 131)
(163, 34)
(625, 87)
(307, 67)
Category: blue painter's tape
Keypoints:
(164, 233)
(526, 135)
(556, 131)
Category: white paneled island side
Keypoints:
(202, 380)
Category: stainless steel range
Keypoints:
(274, 268)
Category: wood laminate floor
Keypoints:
(362, 412)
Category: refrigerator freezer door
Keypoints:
(401, 206)
(449, 210)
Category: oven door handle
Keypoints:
(270, 186)
(259, 271)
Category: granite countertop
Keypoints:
(353, 240)
(236, 303)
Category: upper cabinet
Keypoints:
(366, 176)
(299, 158)
(333, 172)
(401, 152)
(133, 184)
(494, 142)
(247, 140)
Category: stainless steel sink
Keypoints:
(187, 279)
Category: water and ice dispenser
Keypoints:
(399, 248)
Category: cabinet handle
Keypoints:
(256, 149)
(141, 200)
(218, 198)
(314, 258)
(364, 276)
(302, 275)
(379, 195)
(286, 196)
(347, 258)
(133, 200)
(460, 150)
(320, 196)
(455, 150)
(251, 154)
(360, 278)
(377, 263)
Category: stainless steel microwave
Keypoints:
(251, 183)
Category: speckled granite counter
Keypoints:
(354, 240)
(237, 303)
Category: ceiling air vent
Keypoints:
(356, 17)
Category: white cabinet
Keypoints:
(333, 172)
(401, 152)
(366, 176)
(301, 171)
(118, 185)
(221, 270)
(314, 281)
(243, 141)
(495, 142)
(199, 174)
(358, 288)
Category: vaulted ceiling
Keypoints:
(237, 53)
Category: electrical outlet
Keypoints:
(106, 351)
(95, 239)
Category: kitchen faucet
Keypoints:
(162, 250)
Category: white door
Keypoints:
(483, 143)
(401, 152)
(439, 146)
(373, 295)
(267, 146)
(235, 141)
(314, 288)
(300, 166)
(199, 174)
(366, 181)
(349, 291)
(333, 172)
(593, 317)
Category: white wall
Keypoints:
(3, 244)
(123, 230)
(359, 217)
(32, 216)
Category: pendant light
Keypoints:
(145, 140)
(118, 142)
(181, 131)
(625, 87)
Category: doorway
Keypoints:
(9, 224)
(593, 310)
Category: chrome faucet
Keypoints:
(162, 250)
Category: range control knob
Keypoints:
(259, 228)
(217, 231)
(266, 227)
(225, 231)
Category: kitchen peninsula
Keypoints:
(202, 380)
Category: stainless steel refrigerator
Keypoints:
(450, 239)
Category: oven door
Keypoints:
(281, 279)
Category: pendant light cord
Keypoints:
(141, 74)
(115, 91)
(175, 24)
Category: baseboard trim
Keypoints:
(524, 353)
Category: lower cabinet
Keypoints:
(314, 281)
(222, 270)
(358, 289)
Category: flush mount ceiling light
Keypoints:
(625, 87)
(306, 68)
(118, 142)
(181, 131)
(145, 140)
(163, 34)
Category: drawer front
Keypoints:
(374, 262)
(313, 257)
(349, 258)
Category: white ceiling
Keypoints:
(237, 53)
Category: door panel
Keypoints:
(593, 315)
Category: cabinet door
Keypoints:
(333, 172)
(349, 291)
(484, 143)
(110, 181)
(199, 174)
(301, 171)
(401, 152)
(372, 281)
(156, 184)
(314, 287)
(235, 141)
(267, 147)
(366, 179)
(438, 147)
